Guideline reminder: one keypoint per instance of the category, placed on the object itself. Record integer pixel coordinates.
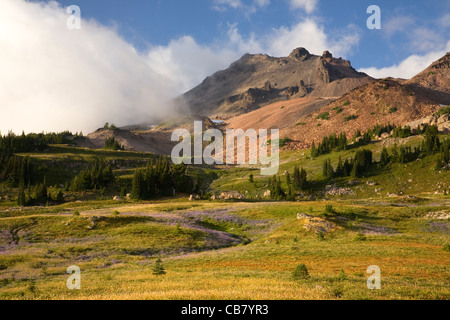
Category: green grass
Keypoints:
(442, 111)
(117, 258)
(117, 250)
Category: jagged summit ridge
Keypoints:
(243, 86)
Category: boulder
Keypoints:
(230, 195)
(301, 216)
(267, 194)
(117, 198)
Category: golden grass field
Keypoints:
(117, 256)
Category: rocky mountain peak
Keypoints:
(299, 54)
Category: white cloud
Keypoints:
(308, 5)
(408, 67)
(312, 36)
(423, 39)
(222, 5)
(53, 78)
(444, 21)
(250, 7)
(398, 24)
(187, 63)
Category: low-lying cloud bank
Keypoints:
(55, 79)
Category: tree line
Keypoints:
(161, 178)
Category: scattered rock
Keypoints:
(372, 183)
(303, 216)
(392, 195)
(117, 198)
(439, 215)
(230, 195)
(442, 122)
(267, 194)
(191, 197)
(336, 191)
(316, 224)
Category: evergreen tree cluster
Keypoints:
(355, 167)
(300, 179)
(34, 142)
(37, 195)
(328, 144)
(378, 129)
(276, 191)
(160, 179)
(16, 170)
(98, 177)
(112, 144)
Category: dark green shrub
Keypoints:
(323, 116)
(158, 269)
(393, 109)
(329, 209)
(360, 237)
(342, 275)
(301, 272)
(349, 118)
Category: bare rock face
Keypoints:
(302, 90)
(327, 56)
(322, 72)
(245, 86)
(300, 54)
(442, 122)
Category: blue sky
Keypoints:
(155, 22)
(130, 57)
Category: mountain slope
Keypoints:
(257, 80)
(378, 102)
(436, 76)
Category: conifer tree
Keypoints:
(158, 269)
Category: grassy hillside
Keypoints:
(117, 257)
(394, 179)
(214, 249)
